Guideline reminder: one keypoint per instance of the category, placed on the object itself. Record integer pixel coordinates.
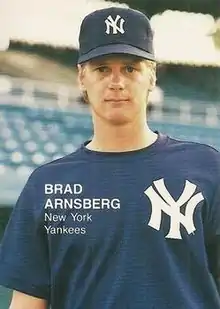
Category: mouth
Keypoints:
(116, 100)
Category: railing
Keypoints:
(39, 94)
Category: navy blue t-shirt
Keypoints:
(129, 230)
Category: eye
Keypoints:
(129, 69)
(102, 69)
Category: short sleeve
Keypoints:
(213, 247)
(24, 258)
(216, 212)
(213, 213)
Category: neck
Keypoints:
(112, 138)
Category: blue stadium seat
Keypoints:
(31, 137)
(205, 135)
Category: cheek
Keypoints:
(139, 94)
(95, 91)
(140, 88)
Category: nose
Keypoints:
(117, 81)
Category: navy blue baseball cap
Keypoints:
(115, 30)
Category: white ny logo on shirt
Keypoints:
(161, 200)
(113, 24)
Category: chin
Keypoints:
(119, 121)
(117, 118)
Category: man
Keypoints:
(130, 220)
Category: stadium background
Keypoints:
(42, 114)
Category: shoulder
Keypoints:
(195, 147)
(53, 170)
(198, 153)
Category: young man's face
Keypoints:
(117, 88)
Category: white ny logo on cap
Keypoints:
(111, 23)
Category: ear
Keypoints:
(81, 77)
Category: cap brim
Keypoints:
(115, 49)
